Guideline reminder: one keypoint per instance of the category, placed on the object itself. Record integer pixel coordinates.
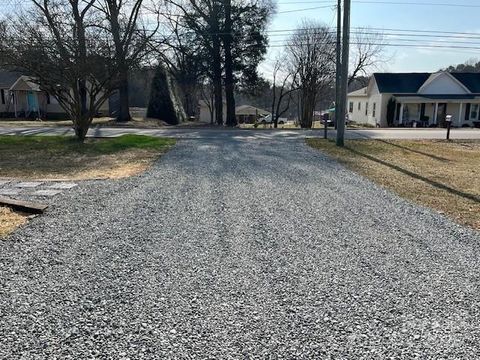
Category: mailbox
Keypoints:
(448, 119)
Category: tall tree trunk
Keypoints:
(124, 104)
(212, 108)
(274, 102)
(229, 79)
(217, 60)
(81, 125)
(217, 80)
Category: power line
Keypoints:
(422, 46)
(385, 2)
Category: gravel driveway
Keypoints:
(239, 247)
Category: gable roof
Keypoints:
(25, 83)
(360, 92)
(410, 83)
(396, 83)
(250, 110)
(450, 85)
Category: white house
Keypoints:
(417, 99)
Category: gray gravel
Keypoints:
(240, 247)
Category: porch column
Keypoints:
(460, 115)
(15, 103)
(400, 121)
(435, 114)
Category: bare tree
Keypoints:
(282, 94)
(55, 42)
(311, 54)
(368, 53)
(209, 99)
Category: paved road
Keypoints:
(239, 249)
(206, 133)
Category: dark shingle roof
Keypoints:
(470, 80)
(400, 83)
(8, 78)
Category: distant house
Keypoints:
(417, 99)
(247, 114)
(22, 97)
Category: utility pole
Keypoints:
(338, 52)
(344, 75)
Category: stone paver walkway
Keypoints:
(28, 190)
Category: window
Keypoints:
(474, 112)
(48, 98)
(374, 109)
(3, 96)
(350, 107)
(366, 108)
(359, 105)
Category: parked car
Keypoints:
(269, 118)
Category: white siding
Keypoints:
(358, 115)
(442, 83)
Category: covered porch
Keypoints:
(432, 112)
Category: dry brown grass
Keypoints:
(9, 221)
(63, 158)
(438, 174)
(72, 167)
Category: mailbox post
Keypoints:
(449, 125)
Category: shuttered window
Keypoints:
(2, 91)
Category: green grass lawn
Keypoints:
(64, 157)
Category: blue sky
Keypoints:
(395, 16)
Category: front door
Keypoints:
(442, 114)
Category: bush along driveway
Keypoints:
(239, 247)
